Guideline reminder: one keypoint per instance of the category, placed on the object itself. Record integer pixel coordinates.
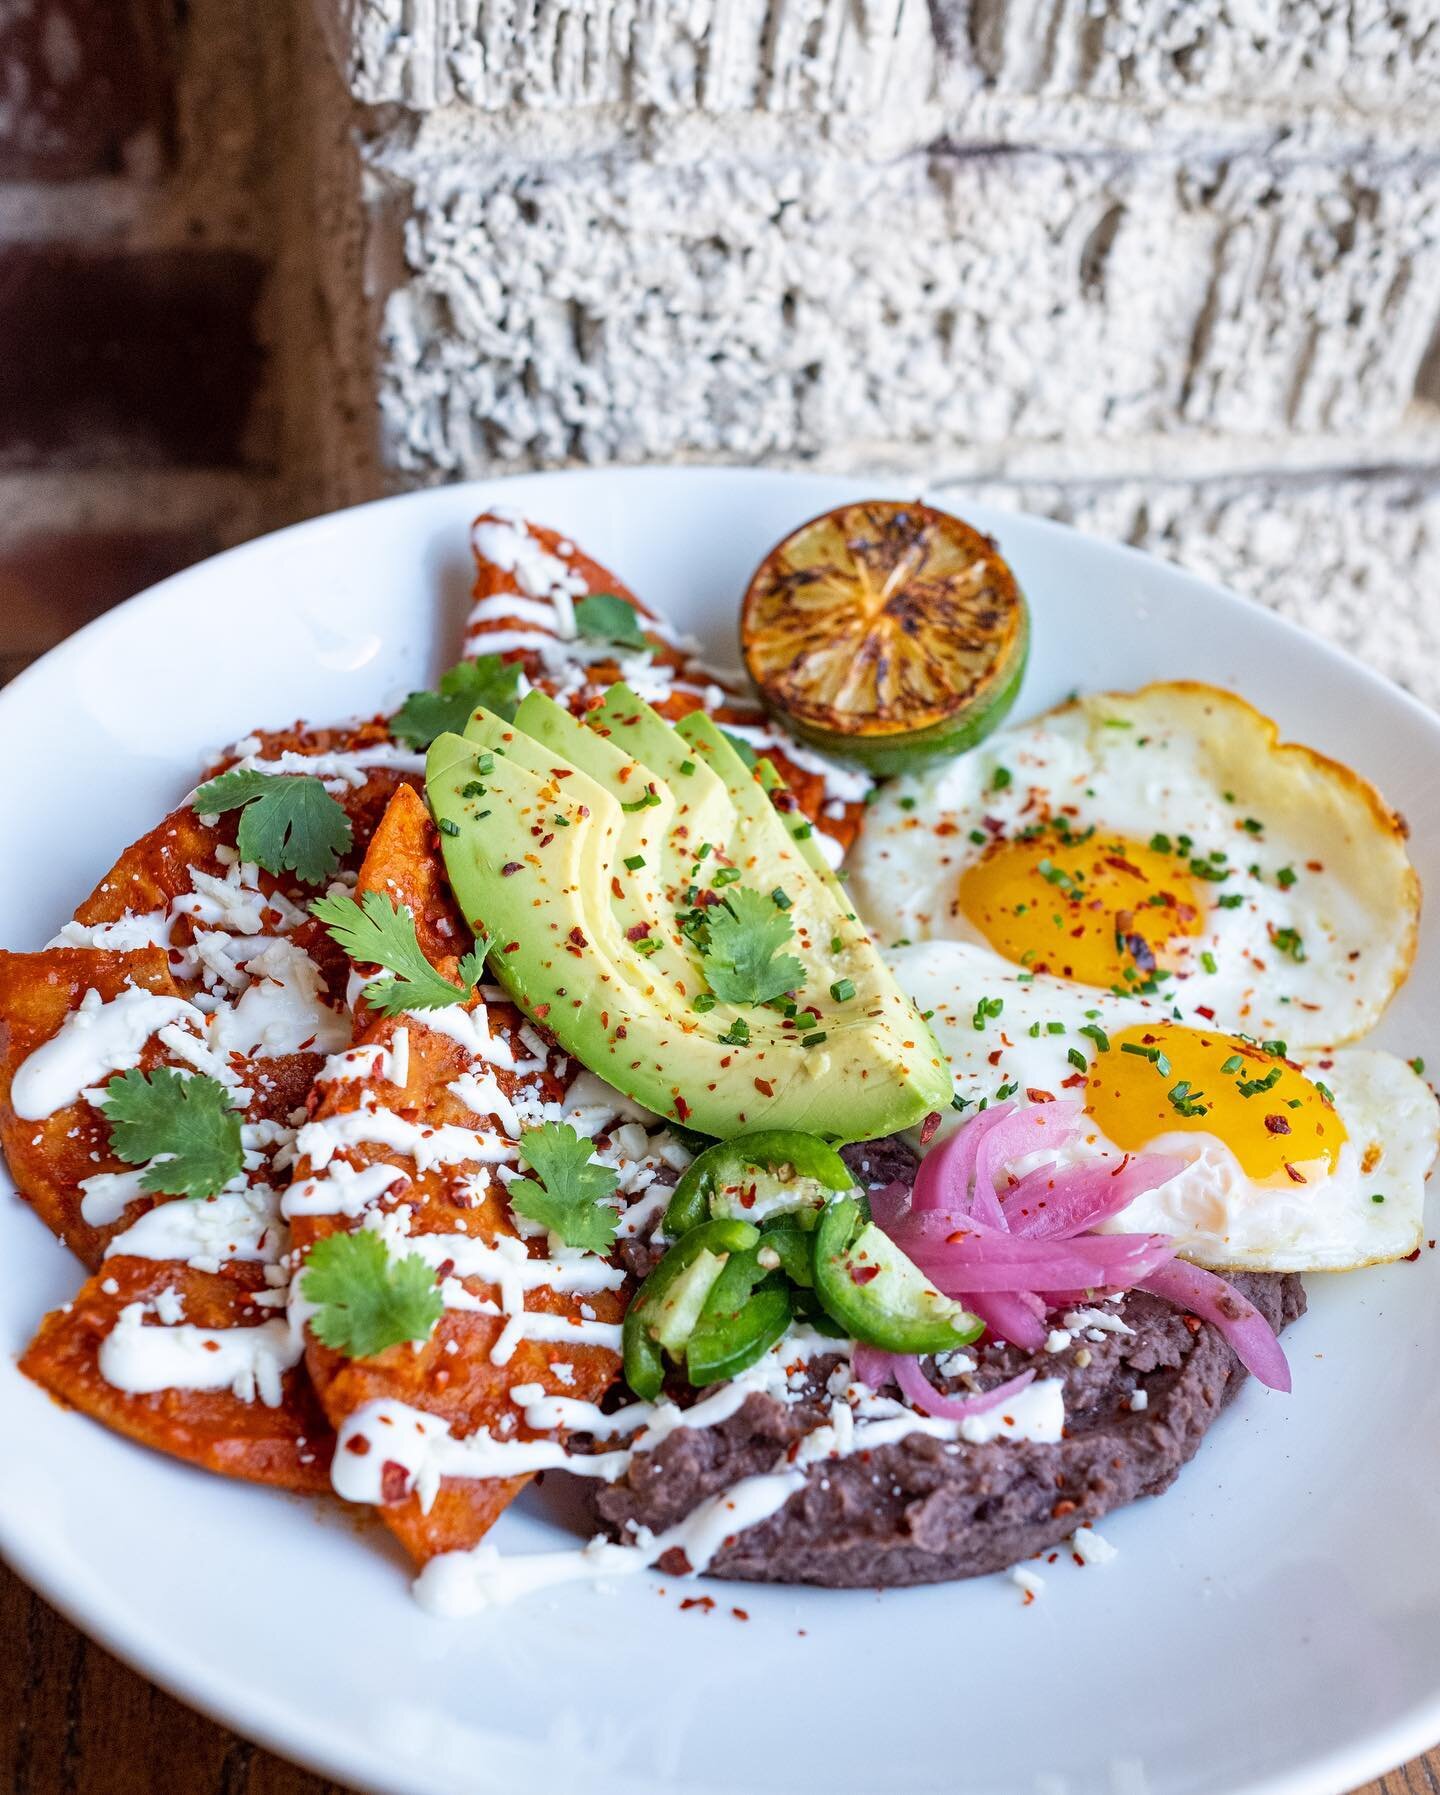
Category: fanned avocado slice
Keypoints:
(593, 854)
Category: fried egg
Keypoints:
(1157, 842)
(1293, 1161)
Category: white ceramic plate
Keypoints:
(1272, 1623)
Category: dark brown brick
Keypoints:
(147, 359)
(85, 86)
(51, 584)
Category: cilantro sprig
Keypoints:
(569, 1199)
(740, 947)
(605, 617)
(186, 1125)
(377, 931)
(488, 680)
(288, 821)
(365, 1300)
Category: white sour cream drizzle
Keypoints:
(93, 1042)
(236, 1226)
(464, 1582)
(249, 1361)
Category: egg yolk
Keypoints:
(1101, 910)
(1161, 1078)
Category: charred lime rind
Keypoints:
(890, 754)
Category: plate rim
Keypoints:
(300, 1735)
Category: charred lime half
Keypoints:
(889, 633)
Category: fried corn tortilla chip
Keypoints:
(184, 956)
(528, 582)
(415, 1137)
(260, 1423)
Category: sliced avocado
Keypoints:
(583, 888)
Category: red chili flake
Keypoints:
(928, 1127)
(682, 1109)
(740, 1614)
(358, 1444)
(562, 772)
(394, 1482)
(1277, 1125)
(615, 887)
(1074, 1079)
(511, 947)
(764, 1086)
(637, 932)
(510, 866)
(1036, 1095)
(1295, 1176)
(1061, 1509)
(1412, 1257)
(1122, 865)
(1203, 1010)
(1193, 1323)
(994, 1057)
(704, 1603)
(577, 937)
(545, 840)
(542, 1010)
(864, 1274)
(621, 1032)
(947, 828)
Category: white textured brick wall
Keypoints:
(1167, 268)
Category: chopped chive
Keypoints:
(844, 989)
(813, 1040)
(1285, 878)
(634, 862)
(484, 763)
(1097, 1035)
(1208, 961)
(448, 826)
(781, 898)
(1417, 1066)
(473, 790)
(1377, 1198)
(979, 837)
(705, 1001)
(1253, 826)
(738, 1033)
(725, 875)
(1077, 1059)
(907, 803)
(1234, 1063)
(1055, 1028)
(999, 779)
(687, 766)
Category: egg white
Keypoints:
(1327, 860)
(1221, 1217)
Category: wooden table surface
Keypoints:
(74, 1721)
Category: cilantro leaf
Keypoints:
(568, 1200)
(288, 821)
(187, 1126)
(604, 617)
(488, 680)
(742, 957)
(378, 931)
(365, 1300)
